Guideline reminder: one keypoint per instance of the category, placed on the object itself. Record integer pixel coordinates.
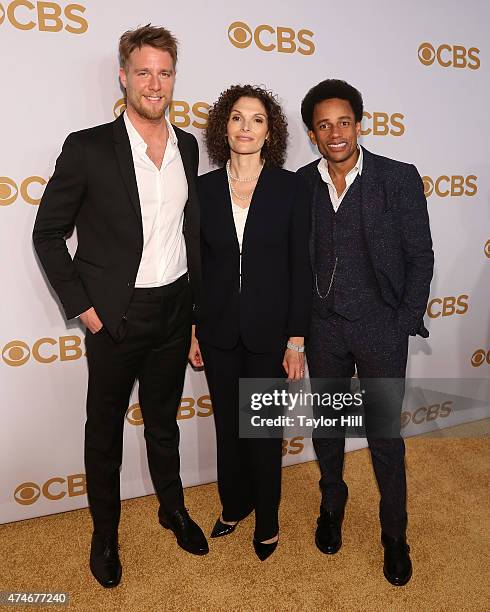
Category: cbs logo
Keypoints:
(293, 446)
(30, 190)
(455, 56)
(382, 124)
(188, 408)
(53, 489)
(447, 306)
(479, 357)
(456, 185)
(180, 113)
(426, 413)
(68, 348)
(486, 248)
(44, 16)
(268, 38)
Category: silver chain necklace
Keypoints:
(323, 297)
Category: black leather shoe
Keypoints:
(188, 533)
(104, 560)
(222, 529)
(397, 566)
(328, 536)
(263, 551)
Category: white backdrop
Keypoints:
(423, 71)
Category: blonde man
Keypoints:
(129, 189)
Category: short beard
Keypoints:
(155, 114)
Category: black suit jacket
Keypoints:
(397, 232)
(94, 189)
(275, 297)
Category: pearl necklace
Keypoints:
(243, 180)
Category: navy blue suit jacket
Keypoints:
(397, 233)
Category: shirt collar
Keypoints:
(135, 139)
(323, 167)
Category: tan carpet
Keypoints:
(448, 534)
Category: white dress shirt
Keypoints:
(349, 179)
(163, 195)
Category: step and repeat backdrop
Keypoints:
(423, 69)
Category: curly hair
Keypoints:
(326, 90)
(273, 152)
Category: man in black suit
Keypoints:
(129, 189)
(372, 257)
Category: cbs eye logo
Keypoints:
(454, 186)
(486, 248)
(180, 113)
(45, 350)
(454, 56)
(268, 38)
(27, 493)
(53, 489)
(30, 190)
(44, 16)
(134, 415)
(119, 107)
(479, 357)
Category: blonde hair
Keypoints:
(159, 38)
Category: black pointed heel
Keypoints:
(222, 529)
(263, 551)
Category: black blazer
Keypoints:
(397, 232)
(94, 189)
(275, 297)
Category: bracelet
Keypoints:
(295, 347)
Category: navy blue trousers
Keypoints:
(377, 348)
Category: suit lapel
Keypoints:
(185, 154)
(225, 208)
(373, 197)
(320, 197)
(124, 158)
(263, 193)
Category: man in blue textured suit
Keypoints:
(372, 259)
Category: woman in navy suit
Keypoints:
(256, 293)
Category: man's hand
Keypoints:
(91, 321)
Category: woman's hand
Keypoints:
(195, 357)
(294, 361)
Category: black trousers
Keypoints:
(154, 351)
(378, 348)
(249, 470)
